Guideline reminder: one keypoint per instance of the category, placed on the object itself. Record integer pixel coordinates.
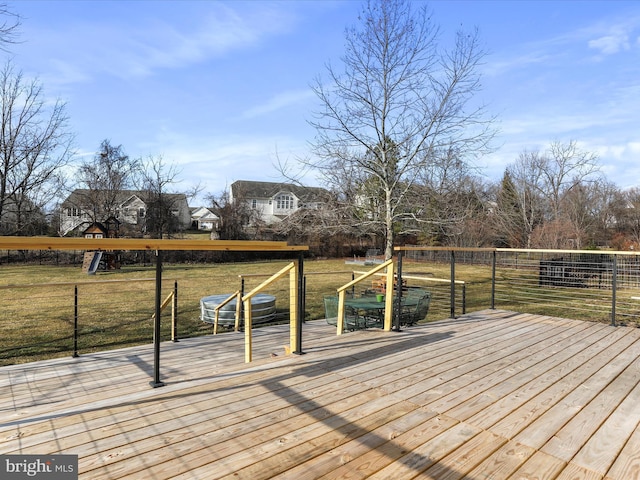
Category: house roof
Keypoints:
(95, 227)
(202, 212)
(81, 196)
(252, 189)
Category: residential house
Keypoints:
(204, 219)
(129, 207)
(274, 201)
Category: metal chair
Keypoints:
(410, 315)
(352, 321)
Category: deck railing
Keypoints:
(295, 291)
(599, 286)
(158, 246)
(583, 284)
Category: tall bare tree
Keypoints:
(399, 104)
(234, 216)
(103, 179)
(565, 166)
(155, 182)
(632, 215)
(544, 190)
(35, 145)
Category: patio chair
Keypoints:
(352, 321)
(413, 314)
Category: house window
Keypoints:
(254, 203)
(284, 202)
(141, 212)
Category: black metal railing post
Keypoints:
(156, 330)
(301, 303)
(241, 319)
(398, 302)
(493, 281)
(614, 290)
(304, 299)
(353, 288)
(453, 285)
(174, 312)
(75, 322)
(464, 298)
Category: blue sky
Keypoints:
(221, 89)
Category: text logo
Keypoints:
(50, 467)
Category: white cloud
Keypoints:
(610, 44)
(220, 160)
(497, 67)
(137, 46)
(279, 101)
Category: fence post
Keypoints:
(464, 298)
(398, 300)
(493, 281)
(453, 285)
(614, 290)
(174, 313)
(304, 298)
(240, 310)
(75, 322)
(301, 305)
(156, 330)
(353, 288)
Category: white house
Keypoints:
(79, 210)
(275, 201)
(204, 219)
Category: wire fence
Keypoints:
(594, 286)
(82, 314)
(69, 312)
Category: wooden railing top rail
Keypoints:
(413, 248)
(409, 248)
(64, 243)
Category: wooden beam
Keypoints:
(64, 243)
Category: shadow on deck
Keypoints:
(491, 394)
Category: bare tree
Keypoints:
(400, 104)
(104, 178)
(541, 191)
(35, 145)
(156, 179)
(591, 211)
(563, 167)
(9, 27)
(235, 217)
(520, 206)
(632, 215)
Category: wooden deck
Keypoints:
(492, 394)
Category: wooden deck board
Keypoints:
(491, 394)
